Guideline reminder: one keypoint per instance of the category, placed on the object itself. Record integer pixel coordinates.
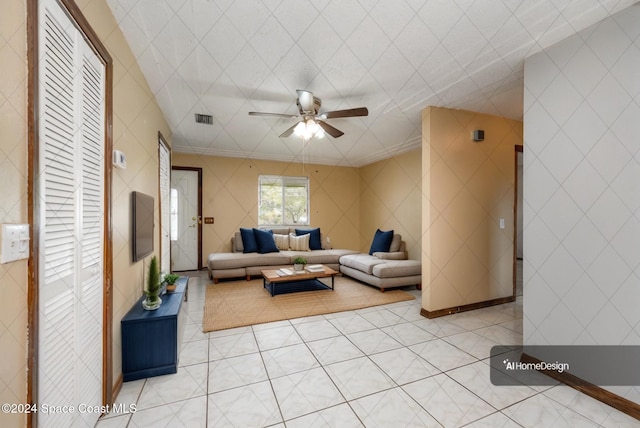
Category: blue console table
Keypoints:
(151, 339)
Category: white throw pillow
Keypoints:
(299, 243)
(395, 243)
(282, 241)
(237, 241)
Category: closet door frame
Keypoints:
(33, 113)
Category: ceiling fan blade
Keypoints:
(334, 132)
(352, 112)
(258, 113)
(305, 100)
(288, 131)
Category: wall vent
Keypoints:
(204, 118)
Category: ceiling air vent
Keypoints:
(204, 118)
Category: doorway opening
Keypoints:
(518, 222)
(186, 218)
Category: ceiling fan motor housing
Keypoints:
(317, 103)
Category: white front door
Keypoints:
(186, 220)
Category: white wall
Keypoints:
(582, 189)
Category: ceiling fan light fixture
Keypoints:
(300, 129)
(312, 127)
(308, 130)
(311, 123)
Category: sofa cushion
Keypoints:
(299, 243)
(325, 257)
(315, 242)
(396, 281)
(395, 243)
(381, 241)
(282, 241)
(249, 244)
(361, 262)
(265, 241)
(280, 230)
(391, 255)
(396, 268)
(237, 243)
(221, 261)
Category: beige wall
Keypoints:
(467, 188)
(230, 195)
(13, 209)
(136, 121)
(391, 198)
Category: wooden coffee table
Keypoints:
(273, 276)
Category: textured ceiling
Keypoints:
(226, 58)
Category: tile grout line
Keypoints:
(206, 411)
(273, 391)
(324, 369)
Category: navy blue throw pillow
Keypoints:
(381, 241)
(248, 240)
(265, 241)
(314, 240)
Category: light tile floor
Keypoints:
(379, 367)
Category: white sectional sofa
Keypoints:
(381, 269)
(239, 264)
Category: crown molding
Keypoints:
(389, 152)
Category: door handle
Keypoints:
(198, 219)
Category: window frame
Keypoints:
(284, 181)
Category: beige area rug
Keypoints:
(242, 303)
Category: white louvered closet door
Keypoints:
(71, 218)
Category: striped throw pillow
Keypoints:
(299, 243)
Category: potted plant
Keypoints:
(170, 279)
(298, 263)
(152, 300)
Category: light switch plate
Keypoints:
(14, 243)
(501, 223)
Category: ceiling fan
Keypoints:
(312, 123)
